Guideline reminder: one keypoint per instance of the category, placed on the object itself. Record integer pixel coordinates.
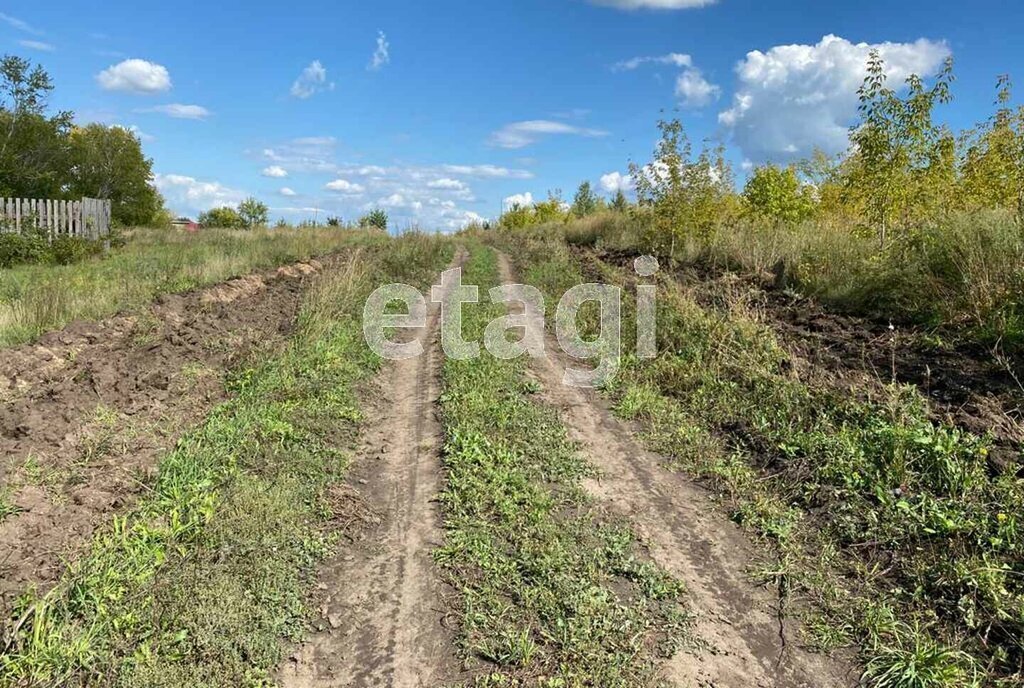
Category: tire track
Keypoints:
(737, 622)
(382, 608)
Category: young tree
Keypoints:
(254, 213)
(620, 203)
(108, 162)
(586, 202)
(375, 218)
(687, 197)
(899, 154)
(777, 194)
(993, 162)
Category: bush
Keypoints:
(35, 247)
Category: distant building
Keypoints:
(185, 223)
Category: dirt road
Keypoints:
(737, 622)
(382, 609)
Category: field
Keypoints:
(209, 478)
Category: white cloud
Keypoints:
(522, 134)
(37, 45)
(674, 59)
(614, 182)
(135, 76)
(179, 111)
(653, 4)
(311, 81)
(382, 55)
(694, 90)
(447, 184)
(522, 200)
(19, 24)
(486, 172)
(795, 98)
(304, 154)
(343, 186)
(285, 191)
(275, 171)
(184, 193)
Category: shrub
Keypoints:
(35, 247)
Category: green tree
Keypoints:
(108, 162)
(586, 202)
(992, 173)
(777, 194)
(33, 147)
(687, 197)
(254, 213)
(899, 156)
(375, 218)
(620, 203)
(224, 217)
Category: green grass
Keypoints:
(551, 589)
(890, 523)
(200, 583)
(35, 299)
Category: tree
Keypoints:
(375, 218)
(687, 197)
(33, 147)
(777, 194)
(254, 213)
(225, 217)
(586, 202)
(108, 162)
(993, 162)
(900, 157)
(620, 204)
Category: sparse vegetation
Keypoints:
(549, 585)
(198, 584)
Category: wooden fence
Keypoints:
(88, 218)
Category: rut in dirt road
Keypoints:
(737, 623)
(382, 608)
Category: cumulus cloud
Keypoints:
(521, 200)
(653, 4)
(179, 111)
(382, 55)
(37, 45)
(311, 81)
(795, 98)
(522, 134)
(135, 76)
(303, 154)
(613, 182)
(343, 186)
(285, 191)
(447, 184)
(692, 89)
(275, 171)
(188, 194)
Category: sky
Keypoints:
(443, 112)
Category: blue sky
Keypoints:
(439, 111)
